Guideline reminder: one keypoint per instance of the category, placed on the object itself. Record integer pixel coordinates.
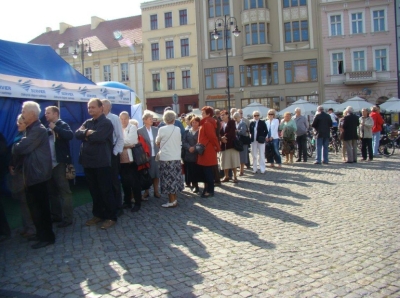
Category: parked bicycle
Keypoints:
(334, 141)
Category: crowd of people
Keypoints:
(209, 150)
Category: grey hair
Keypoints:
(134, 122)
(19, 118)
(106, 102)
(320, 108)
(32, 106)
(257, 112)
(169, 117)
(147, 115)
(124, 113)
(236, 115)
(297, 109)
(350, 109)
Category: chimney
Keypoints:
(63, 27)
(95, 22)
(48, 29)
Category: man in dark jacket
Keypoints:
(322, 124)
(37, 172)
(350, 134)
(59, 191)
(258, 135)
(96, 135)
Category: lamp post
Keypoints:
(84, 47)
(227, 22)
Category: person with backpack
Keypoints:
(288, 127)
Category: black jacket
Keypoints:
(322, 124)
(350, 127)
(96, 149)
(35, 147)
(63, 134)
(262, 129)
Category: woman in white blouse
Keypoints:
(169, 140)
(273, 136)
(129, 170)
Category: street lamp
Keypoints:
(227, 22)
(84, 47)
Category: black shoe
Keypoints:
(41, 244)
(34, 238)
(126, 206)
(135, 209)
(120, 212)
(348, 162)
(64, 224)
(196, 189)
(298, 160)
(207, 195)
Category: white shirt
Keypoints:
(151, 138)
(53, 150)
(118, 136)
(273, 127)
(255, 131)
(130, 138)
(170, 140)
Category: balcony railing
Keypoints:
(361, 77)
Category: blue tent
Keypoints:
(38, 73)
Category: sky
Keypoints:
(22, 21)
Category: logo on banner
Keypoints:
(25, 85)
(104, 92)
(57, 88)
(83, 91)
(121, 94)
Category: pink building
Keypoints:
(359, 49)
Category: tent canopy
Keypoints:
(357, 103)
(306, 107)
(255, 106)
(330, 104)
(388, 103)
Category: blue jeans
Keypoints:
(376, 136)
(322, 144)
(277, 156)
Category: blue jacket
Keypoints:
(63, 134)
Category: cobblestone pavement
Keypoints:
(301, 231)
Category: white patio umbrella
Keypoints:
(197, 112)
(306, 107)
(393, 108)
(155, 115)
(255, 106)
(357, 103)
(330, 104)
(388, 103)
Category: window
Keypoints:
(335, 25)
(183, 17)
(301, 71)
(156, 82)
(254, 4)
(259, 75)
(153, 22)
(88, 73)
(294, 3)
(107, 73)
(169, 49)
(358, 61)
(381, 60)
(155, 52)
(171, 80)
(255, 34)
(295, 33)
(124, 72)
(219, 44)
(378, 19)
(356, 23)
(337, 64)
(218, 8)
(186, 84)
(168, 19)
(184, 47)
(216, 77)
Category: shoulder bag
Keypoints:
(139, 155)
(158, 155)
(70, 171)
(238, 144)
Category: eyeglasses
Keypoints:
(271, 114)
(256, 115)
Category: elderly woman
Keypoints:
(17, 182)
(340, 126)
(170, 144)
(242, 130)
(230, 158)
(193, 172)
(208, 138)
(365, 133)
(288, 128)
(301, 134)
(129, 170)
(273, 136)
(149, 133)
(258, 136)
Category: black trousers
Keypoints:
(37, 198)
(131, 183)
(302, 145)
(4, 226)
(366, 143)
(100, 187)
(116, 184)
(209, 178)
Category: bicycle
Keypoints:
(310, 144)
(386, 146)
(334, 142)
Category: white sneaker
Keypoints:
(170, 205)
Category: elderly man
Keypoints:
(350, 134)
(59, 191)
(322, 124)
(301, 134)
(118, 147)
(96, 135)
(37, 172)
(247, 121)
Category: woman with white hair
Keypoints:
(170, 143)
(301, 134)
(273, 136)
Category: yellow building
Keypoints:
(170, 54)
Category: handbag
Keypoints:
(145, 179)
(139, 155)
(238, 144)
(70, 171)
(261, 139)
(158, 155)
(245, 140)
(200, 148)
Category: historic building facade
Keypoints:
(170, 55)
(358, 49)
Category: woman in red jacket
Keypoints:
(208, 138)
(376, 129)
